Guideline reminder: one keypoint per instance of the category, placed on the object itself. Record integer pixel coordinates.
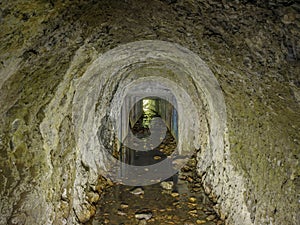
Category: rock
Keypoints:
(288, 18)
(142, 222)
(201, 221)
(192, 205)
(182, 176)
(192, 162)
(156, 157)
(120, 213)
(220, 222)
(109, 182)
(93, 197)
(222, 215)
(192, 199)
(137, 191)
(85, 213)
(198, 185)
(193, 211)
(168, 185)
(174, 194)
(124, 206)
(207, 190)
(188, 223)
(186, 168)
(210, 217)
(196, 189)
(143, 215)
(64, 195)
(190, 179)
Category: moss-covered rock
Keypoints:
(252, 48)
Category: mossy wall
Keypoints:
(252, 47)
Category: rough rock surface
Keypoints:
(251, 47)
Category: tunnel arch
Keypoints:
(100, 92)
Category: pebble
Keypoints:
(137, 191)
(207, 190)
(192, 205)
(168, 185)
(192, 162)
(192, 199)
(120, 213)
(124, 205)
(143, 215)
(220, 222)
(201, 221)
(210, 217)
(196, 189)
(174, 194)
(156, 157)
(188, 223)
(193, 211)
(186, 169)
(142, 222)
(189, 179)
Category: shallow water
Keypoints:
(185, 203)
(191, 206)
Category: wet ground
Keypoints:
(177, 200)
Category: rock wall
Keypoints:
(251, 47)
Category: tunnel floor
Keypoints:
(178, 200)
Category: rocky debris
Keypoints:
(180, 206)
(137, 191)
(142, 222)
(93, 197)
(188, 223)
(189, 179)
(210, 217)
(174, 194)
(168, 185)
(86, 212)
(192, 199)
(124, 206)
(121, 213)
(143, 215)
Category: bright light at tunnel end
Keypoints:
(148, 174)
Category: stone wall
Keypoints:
(251, 47)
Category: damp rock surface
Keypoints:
(251, 47)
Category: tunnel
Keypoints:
(123, 76)
(149, 112)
